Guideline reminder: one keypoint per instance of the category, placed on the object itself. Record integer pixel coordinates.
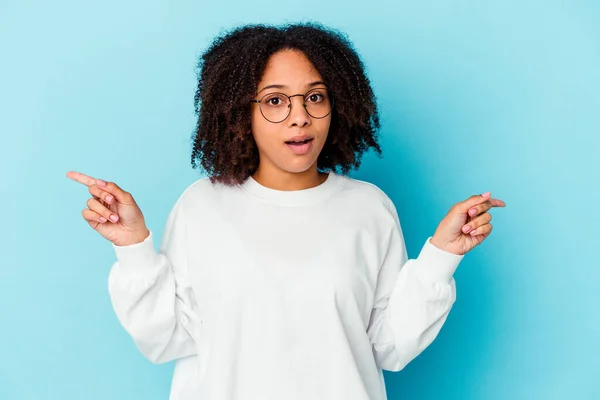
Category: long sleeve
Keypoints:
(151, 295)
(413, 298)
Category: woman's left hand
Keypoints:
(466, 225)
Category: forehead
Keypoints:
(290, 68)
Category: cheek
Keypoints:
(322, 128)
(265, 133)
(255, 120)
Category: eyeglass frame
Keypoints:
(290, 105)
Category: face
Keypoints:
(291, 73)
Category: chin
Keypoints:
(297, 168)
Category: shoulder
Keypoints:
(369, 202)
(200, 192)
(200, 185)
(366, 192)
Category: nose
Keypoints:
(298, 115)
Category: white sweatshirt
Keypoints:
(261, 294)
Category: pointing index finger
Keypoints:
(81, 178)
(497, 203)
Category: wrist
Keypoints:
(435, 241)
(134, 240)
(444, 246)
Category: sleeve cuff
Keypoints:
(436, 264)
(138, 256)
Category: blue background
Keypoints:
(475, 95)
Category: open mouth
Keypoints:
(298, 143)
(300, 147)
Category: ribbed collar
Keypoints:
(294, 197)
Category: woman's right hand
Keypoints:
(107, 202)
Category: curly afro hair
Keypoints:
(229, 72)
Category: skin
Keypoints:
(278, 167)
(109, 200)
(464, 227)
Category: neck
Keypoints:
(278, 179)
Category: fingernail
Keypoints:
(114, 218)
(100, 182)
(473, 231)
(472, 211)
(466, 228)
(486, 194)
(109, 198)
(102, 219)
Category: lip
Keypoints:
(299, 138)
(300, 149)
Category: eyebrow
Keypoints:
(277, 86)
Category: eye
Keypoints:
(275, 100)
(316, 97)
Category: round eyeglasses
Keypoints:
(276, 107)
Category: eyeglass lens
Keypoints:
(276, 107)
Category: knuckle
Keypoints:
(114, 187)
(103, 211)
(108, 187)
(88, 214)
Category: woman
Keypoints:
(278, 277)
